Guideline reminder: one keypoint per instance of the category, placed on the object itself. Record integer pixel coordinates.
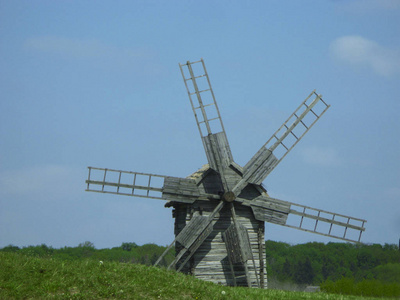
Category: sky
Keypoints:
(97, 83)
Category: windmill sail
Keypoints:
(125, 183)
(306, 218)
(192, 236)
(207, 114)
(238, 249)
(283, 140)
(326, 223)
(145, 185)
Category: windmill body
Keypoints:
(210, 261)
(220, 210)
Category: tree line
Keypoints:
(316, 263)
(306, 264)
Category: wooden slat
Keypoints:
(214, 139)
(256, 170)
(210, 260)
(184, 190)
(192, 230)
(217, 150)
(259, 166)
(329, 218)
(277, 211)
(109, 179)
(239, 253)
(193, 242)
(121, 185)
(262, 163)
(329, 221)
(268, 209)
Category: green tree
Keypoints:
(387, 273)
(304, 273)
(10, 248)
(128, 246)
(86, 244)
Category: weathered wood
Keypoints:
(192, 230)
(244, 242)
(211, 184)
(261, 254)
(218, 152)
(112, 178)
(267, 209)
(121, 185)
(182, 189)
(210, 261)
(318, 218)
(203, 227)
(262, 163)
(214, 137)
(238, 252)
(200, 174)
(238, 248)
(259, 166)
(232, 176)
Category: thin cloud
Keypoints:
(360, 52)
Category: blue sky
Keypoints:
(97, 83)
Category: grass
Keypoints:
(30, 277)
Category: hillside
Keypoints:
(23, 276)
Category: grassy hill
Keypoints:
(23, 276)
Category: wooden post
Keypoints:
(261, 241)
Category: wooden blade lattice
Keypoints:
(326, 223)
(145, 185)
(125, 183)
(306, 218)
(207, 114)
(282, 141)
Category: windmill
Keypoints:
(220, 210)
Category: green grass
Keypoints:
(25, 277)
(372, 288)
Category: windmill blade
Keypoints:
(268, 209)
(145, 185)
(207, 114)
(336, 225)
(283, 141)
(197, 227)
(306, 218)
(192, 236)
(238, 248)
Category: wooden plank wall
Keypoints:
(210, 262)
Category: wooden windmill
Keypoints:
(220, 210)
